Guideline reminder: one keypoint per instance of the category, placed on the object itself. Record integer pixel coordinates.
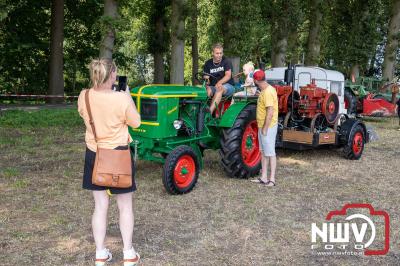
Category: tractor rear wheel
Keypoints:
(181, 170)
(350, 102)
(355, 144)
(240, 153)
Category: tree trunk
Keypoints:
(195, 48)
(280, 31)
(177, 42)
(278, 53)
(292, 55)
(235, 60)
(355, 71)
(56, 78)
(389, 62)
(313, 43)
(158, 54)
(74, 70)
(107, 43)
(158, 68)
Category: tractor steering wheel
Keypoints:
(200, 77)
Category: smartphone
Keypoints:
(122, 83)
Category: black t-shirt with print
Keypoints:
(218, 70)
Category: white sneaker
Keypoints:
(132, 261)
(102, 257)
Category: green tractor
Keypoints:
(176, 128)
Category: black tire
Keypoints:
(170, 164)
(349, 150)
(352, 102)
(231, 146)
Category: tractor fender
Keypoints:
(348, 127)
(229, 116)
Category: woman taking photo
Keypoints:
(112, 112)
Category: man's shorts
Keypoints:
(229, 89)
(267, 143)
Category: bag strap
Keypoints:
(91, 122)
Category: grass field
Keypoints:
(45, 215)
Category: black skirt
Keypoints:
(90, 157)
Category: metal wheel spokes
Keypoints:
(318, 123)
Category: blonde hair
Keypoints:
(217, 46)
(100, 70)
(249, 67)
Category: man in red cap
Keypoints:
(267, 122)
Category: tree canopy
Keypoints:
(348, 36)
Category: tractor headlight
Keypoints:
(178, 124)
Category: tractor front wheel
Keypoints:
(355, 144)
(240, 153)
(181, 170)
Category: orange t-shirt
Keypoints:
(112, 112)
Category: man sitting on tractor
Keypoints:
(218, 72)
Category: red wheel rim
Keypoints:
(250, 148)
(358, 143)
(331, 107)
(184, 171)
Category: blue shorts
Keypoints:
(229, 89)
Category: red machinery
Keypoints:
(284, 93)
(316, 105)
(315, 101)
(374, 106)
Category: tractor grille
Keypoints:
(148, 109)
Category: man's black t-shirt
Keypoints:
(218, 70)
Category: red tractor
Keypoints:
(312, 118)
(285, 93)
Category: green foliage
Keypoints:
(24, 46)
(81, 41)
(67, 118)
(352, 33)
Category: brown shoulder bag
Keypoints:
(112, 168)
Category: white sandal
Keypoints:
(132, 261)
(102, 261)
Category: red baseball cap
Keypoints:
(259, 75)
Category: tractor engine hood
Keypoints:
(169, 91)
